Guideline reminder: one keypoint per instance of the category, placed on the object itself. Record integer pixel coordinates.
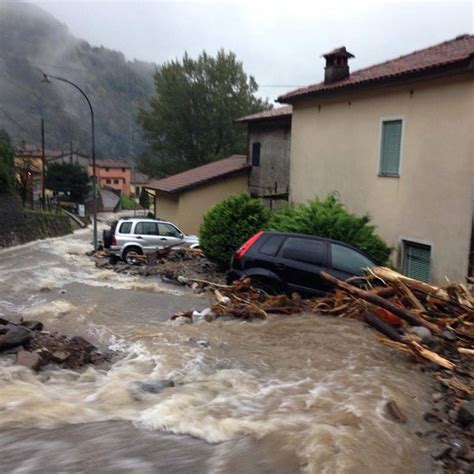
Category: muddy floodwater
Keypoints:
(291, 394)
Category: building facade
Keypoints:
(113, 174)
(269, 139)
(395, 141)
(184, 198)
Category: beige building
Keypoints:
(395, 141)
(185, 197)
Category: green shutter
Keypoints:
(417, 261)
(390, 148)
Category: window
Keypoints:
(417, 260)
(125, 228)
(271, 245)
(348, 260)
(390, 148)
(106, 169)
(146, 228)
(123, 170)
(137, 191)
(305, 250)
(116, 181)
(168, 230)
(108, 181)
(256, 154)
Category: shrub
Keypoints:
(7, 164)
(329, 218)
(229, 224)
(128, 203)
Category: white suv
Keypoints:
(144, 235)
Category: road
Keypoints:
(287, 395)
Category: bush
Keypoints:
(329, 218)
(7, 164)
(229, 224)
(128, 203)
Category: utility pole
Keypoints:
(43, 165)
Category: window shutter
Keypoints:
(417, 261)
(256, 154)
(390, 149)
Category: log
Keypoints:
(382, 327)
(404, 314)
(408, 294)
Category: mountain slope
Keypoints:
(34, 42)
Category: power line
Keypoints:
(9, 117)
(279, 85)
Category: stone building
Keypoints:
(269, 137)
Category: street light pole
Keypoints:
(46, 78)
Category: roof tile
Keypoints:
(285, 111)
(450, 52)
(201, 174)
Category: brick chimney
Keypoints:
(337, 65)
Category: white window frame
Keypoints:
(409, 240)
(391, 118)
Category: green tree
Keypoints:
(189, 121)
(229, 224)
(144, 199)
(7, 164)
(68, 178)
(329, 218)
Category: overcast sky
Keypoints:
(280, 43)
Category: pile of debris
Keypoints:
(182, 266)
(34, 348)
(434, 325)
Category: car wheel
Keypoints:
(270, 287)
(130, 255)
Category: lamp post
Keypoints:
(46, 78)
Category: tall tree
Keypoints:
(68, 178)
(190, 118)
(7, 164)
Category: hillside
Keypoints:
(33, 41)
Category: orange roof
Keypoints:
(285, 111)
(235, 164)
(451, 52)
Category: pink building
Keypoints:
(113, 174)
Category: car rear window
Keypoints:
(125, 228)
(271, 245)
(348, 260)
(305, 250)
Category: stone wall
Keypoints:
(18, 226)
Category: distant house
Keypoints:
(69, 157)
(185, 197)
(138, 182)
(394, 140)
(269, 141)
(113, 174)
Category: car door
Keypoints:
(146, 234)
(346, 262)
(300, 261)
(169, 234)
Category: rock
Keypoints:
(440, 451)
(432, 417)
(15, 336)
(4, 322)
(395, 411)
(30, 360)
(437, 396)
(63, 291)
(82, 344)
(423, 333)
(139, 388)
(200, 342)
(449, 336)
(45, 289)
(179, 321)
(197, 316)
(32, 325)
(183, 280)
(465, 414)
(60, 356)
(463, 465)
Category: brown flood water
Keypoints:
(291, 394)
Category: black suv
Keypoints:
(282, 262)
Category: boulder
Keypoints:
(30, 360)
(15, 336)
(423, 333)
(465, 414)
(449, 336)
(32, 325)
(440, 451)
(60, 356)
(139, 388)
